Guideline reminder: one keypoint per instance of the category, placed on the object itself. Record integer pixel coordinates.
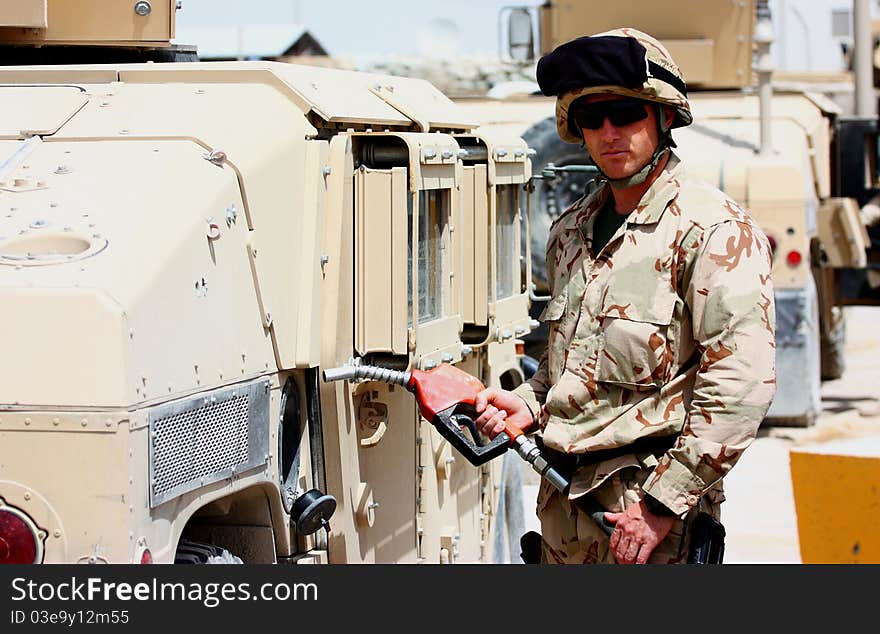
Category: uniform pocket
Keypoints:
(555, 308)
(633, 353)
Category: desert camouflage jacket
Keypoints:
(669, 330)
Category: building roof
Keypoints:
(251, 41)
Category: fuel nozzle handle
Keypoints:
(445, 396)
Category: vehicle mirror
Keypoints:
(520, 35)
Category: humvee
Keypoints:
(184, 246)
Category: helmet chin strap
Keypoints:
(663, 146)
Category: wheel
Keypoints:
(831, 342)
(551, 197)
(190, 552)
(529, 365)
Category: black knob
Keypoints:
(312, 510)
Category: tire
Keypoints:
(529, 365)
(547, 201)
(832, 342)
(189, 552)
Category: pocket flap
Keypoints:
(640, 293)
(657, 310)
(555, 308)
(589, 479)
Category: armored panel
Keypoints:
(713, 47)
(24, 13)
(207, 438)
(32, 110)
(90, 22)
(474, 227)
(381, 252)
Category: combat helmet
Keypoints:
(625, 62)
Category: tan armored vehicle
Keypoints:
(795, 158)
(184, 248)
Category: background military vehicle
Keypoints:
(185, 246)
(804, 164)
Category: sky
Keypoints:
(364, 30)
(368, 28)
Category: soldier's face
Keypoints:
(621, 151)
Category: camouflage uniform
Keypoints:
(668, 331)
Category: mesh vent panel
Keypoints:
(200, 442)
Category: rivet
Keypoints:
(56, 422)
(27, 495)
(56, 533)
(27, 421)
(84, 422)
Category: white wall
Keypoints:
(804, 38)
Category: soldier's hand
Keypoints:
(498, 408)
(637, 533)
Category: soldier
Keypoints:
(660, 363)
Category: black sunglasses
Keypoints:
(621, 112)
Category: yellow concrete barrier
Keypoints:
(837, 499)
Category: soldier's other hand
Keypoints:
(636, 533)
(498, 408)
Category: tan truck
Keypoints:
(803, 165)
(184, 247)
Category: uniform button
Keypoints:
(692, 500)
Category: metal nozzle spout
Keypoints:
(345, 373)
(368, 373)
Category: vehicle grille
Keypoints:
(207, 438)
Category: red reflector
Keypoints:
(793, 258)
(146, 556)
(520, 348)
(18, 543)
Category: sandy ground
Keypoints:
(759, 513)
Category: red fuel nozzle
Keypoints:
(445, 396)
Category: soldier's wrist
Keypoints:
(534, 425)
(656, 507)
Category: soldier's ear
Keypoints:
(670, 115)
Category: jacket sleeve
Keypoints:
(730, 297)
(534, 390)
